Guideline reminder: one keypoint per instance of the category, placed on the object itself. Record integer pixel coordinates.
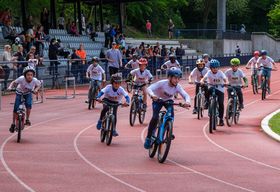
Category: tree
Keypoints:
(274, 19)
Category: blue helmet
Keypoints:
(214, 63)
(263, 52)
(174, 72)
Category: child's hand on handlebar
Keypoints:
(185, 105)
(125, 104)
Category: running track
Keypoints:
(61, 151)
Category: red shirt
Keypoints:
(149, 25)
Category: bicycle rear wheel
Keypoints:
(133, 113)
(237, 114)
(153, 149)
(230, 114)
(264, 88)
(90, 98)
(141, 115)
(198, 103)
(110, 128)
(164, 147)
(20, 126)
(103, 132)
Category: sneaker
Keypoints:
(194, 111)
(115, 133)
(99, 125)
(221, 123)
(12, 128)
(269, 91)
(27, 122)
(147, 144)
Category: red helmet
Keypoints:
(143, 61)
(256, 53)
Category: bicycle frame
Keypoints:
(166, 117)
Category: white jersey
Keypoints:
(267, 62)
(141, 77)
(235, 78)
(133, 64)
(198, 75)
(95, 72)
(207, 64)
(112, 95)
(168, 64)
(253, 63)
(24, 87)
(163, 90)
(33, 63)
(216, 79)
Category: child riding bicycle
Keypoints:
(252, 64)
(96, 74)
(165, 90)
(26, 84)
(142, 76)
(172, 62)
(235, 77)
(197, 74)
(132, 64)
(265, 62)
(216, 80)
(112, 93)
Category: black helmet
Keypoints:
(116, 78)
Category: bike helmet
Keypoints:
(17, 40)
(116, 78)
(214, 63)
(235, 62)
(95, 59)
(263, 52)
(256, 53)
(134, 55)
(174, 72)
(200, 61)
(28, 69)
(205, 55)
(172, 56)
(143, 61)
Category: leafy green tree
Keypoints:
(274, 19)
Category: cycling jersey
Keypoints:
(198, 75)
(168, 64)
(235, 78)
(163, 90)
(133, 64)
(112, 95)
(95, 72)
(267, 62)
(141, 77)
(216, 79)
(24, 87)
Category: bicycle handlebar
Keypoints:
(111, 104)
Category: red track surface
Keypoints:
(61, 151)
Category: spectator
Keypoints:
(112, 34)
(171, 27)
(107, 29)
(237, 51)
(102, 53)
(128, 53)
(29, 38)
(45, 20)
(83, 22)
(171, 51)
(40, 38)
(6, 17)
(68, 26)
(30, 22)
(82, 67)
(61, 51)
(61, 21)
(73, 29)
(180, 52)
(32, 62)
(15, 45)
(243, 29)
(75, 62)
(7, 56)
(53, 51)
(90, 31)
(149, 28)
(19, 57)
(8, 32)
(114, 58)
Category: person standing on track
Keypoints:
(165, 90)
(252, 64)
(112, 93)
(142, 76)
(235, 77)
(26, 84)
(216, 79)
(197, 74)
(266, 62)
(114, 58)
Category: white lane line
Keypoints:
(22, 183)
(197, 172)
(237, 154)
(154, 173)
(98, 168)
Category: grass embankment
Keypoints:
(274, 123)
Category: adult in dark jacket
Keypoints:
(53, 51)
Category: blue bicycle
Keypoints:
(164, 129)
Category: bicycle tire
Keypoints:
(132, 113)
(211, 114)
(237, 115)
(90, 99)
(19, 129)
(264, 88)
(141, 114)
(198, 105)
(110, 129)
(93, 99)
(153, 149)
(230, 112)
(167, 139)
(129, 87)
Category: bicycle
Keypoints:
(233, 107)
(137, 106)
(200, 100)
(213, 111)
(129, 85)
(93, 92)
(162, 142)
(264, 83)
(108, 123)
(254, 80)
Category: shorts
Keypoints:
(266, 72)
(27, 102)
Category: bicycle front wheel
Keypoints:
(264, 88)
(141, 115)
(110, 128)
(164, 146)
(20, 126)
(212, 116)
(133, 113)
(230, 114)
